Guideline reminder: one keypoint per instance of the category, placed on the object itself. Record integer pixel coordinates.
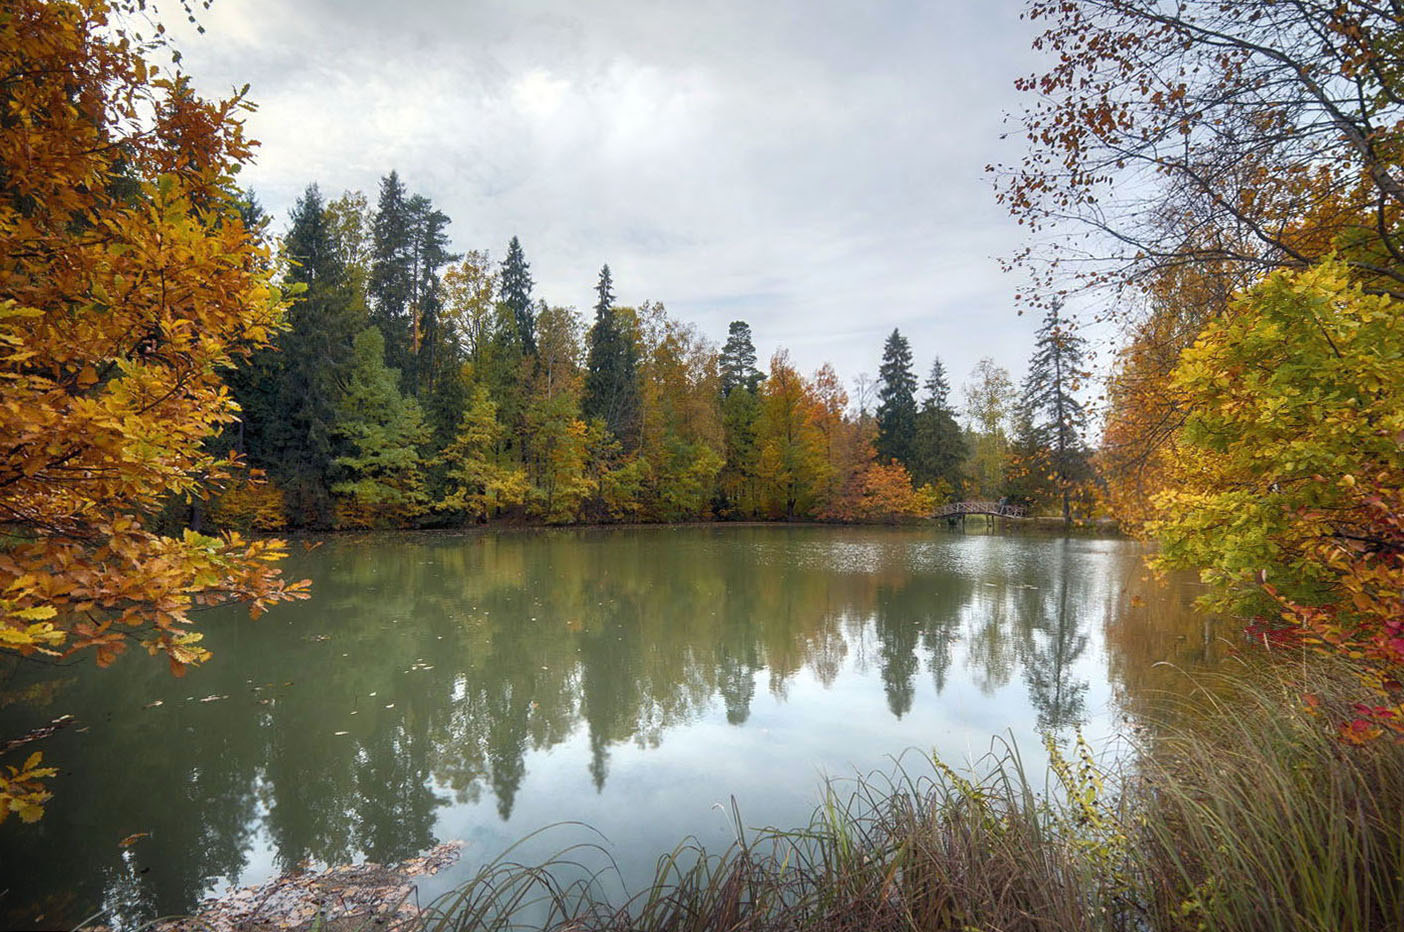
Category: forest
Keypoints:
(415, 387)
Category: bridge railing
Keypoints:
(997, 509)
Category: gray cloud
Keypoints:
(816, 168)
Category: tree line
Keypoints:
(418, 387)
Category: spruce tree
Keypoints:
(1056, 419)
(897, 408)
(737, 361)
(381, 430)
(940, 448)
(315, 358)
(938, 389)
(611, 369)
(391, 284)
(515, 286)
(432, 346)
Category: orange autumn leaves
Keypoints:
(814, 462)
(131, 284)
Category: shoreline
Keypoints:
(1044, 525)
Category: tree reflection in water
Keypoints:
(428, 669)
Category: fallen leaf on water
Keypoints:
(132, 839)
(360, 896)
(1137, 601)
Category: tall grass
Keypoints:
(1247, 814)
(1256, 816)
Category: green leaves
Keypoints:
(1293, 396)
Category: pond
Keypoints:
(479, 686)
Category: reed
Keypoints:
(1247, 813)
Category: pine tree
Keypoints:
(738, 360)
(940, 448)
(1056, 419)
(897, 408)
(738, 477)
(611, 369)
(516, 286)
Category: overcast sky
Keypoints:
(815, 168)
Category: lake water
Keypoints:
(479, 686)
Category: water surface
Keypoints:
(478, 686)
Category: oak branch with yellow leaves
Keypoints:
(129, 284)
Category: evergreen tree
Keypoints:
(254, 217)
(316, 361)
(738, 360)
(1056, 419)
(897, 408)
(611, 369)
(433, 350)
(1028, 480)
(938, 390)
(391, 283)
(939, 449)
(382, 430)
(737, 481)
(516, 286)
(739, 379)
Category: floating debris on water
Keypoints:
(352, 896)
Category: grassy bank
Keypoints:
(1241, 809)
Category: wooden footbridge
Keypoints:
(993, 509)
